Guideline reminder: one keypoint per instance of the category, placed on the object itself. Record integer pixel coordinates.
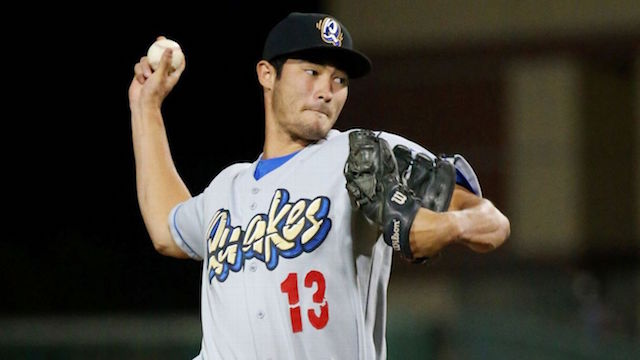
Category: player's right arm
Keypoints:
(159, 186)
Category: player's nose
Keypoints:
(324, 88)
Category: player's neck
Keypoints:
(273, 149)
(280, 143)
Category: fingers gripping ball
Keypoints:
(375, 187)
(154, 54)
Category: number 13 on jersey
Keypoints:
(290, 287)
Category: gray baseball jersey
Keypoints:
(290, 269)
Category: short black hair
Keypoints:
(278, 63)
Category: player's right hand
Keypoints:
(150, 88)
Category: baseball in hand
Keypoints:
(154, 54)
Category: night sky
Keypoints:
(76, 242)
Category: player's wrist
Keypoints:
(401, 208)
(457, 221)
(151, 103)
(144, 108)
(151, 115)
(431, 232)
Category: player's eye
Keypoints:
(341, 80)
(311, 72)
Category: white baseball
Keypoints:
(154, 54)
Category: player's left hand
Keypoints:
(375, 187)
(431, 179)
(390, 187)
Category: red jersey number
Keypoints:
(313, 279)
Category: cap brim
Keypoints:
(353, 62)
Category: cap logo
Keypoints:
(330, 31)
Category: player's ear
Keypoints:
(266, 74)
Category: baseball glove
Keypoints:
(375, 187)
(432, 180)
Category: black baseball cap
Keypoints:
(316, 37)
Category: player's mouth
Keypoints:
(320, 111)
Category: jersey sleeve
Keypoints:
(465, 176)
(185, 223)
(187, 220)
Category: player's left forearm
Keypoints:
(481, 227)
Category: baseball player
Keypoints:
(296, 247)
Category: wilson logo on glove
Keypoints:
(399, 198)
(395, 238)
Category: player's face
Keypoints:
(308, 98)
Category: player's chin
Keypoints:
(319, 129)
(317, 126)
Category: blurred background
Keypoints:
(541, 97)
